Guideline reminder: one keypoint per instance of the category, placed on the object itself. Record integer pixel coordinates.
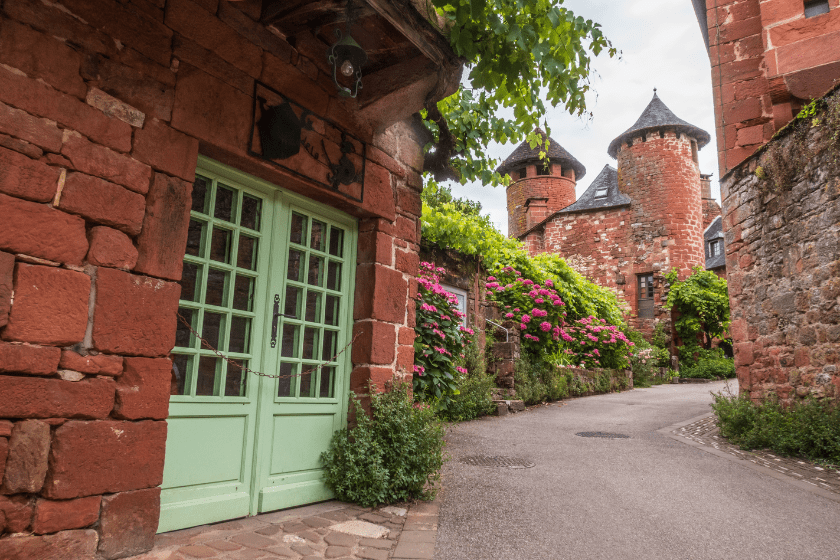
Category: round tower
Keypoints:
(658, 169)
(537, 189)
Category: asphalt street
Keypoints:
(647, 496)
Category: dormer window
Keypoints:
(815, 8)
(714, 248)
(601, 193)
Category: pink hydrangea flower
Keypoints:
(545, 326)
(526, 318)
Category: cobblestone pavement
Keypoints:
(332, 530)
(706, 432)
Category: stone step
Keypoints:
(503, 407)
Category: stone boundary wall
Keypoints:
(782, 231)
(104, 108)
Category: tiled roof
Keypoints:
(556, 153)
(714, 231)
(659, 117)
(606, 179)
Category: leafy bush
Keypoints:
(474, 398)
(540, 310)
(643, 362)
(393, 456)
(808, 428)
(440, 340)
(540, 382)
(715, 368)
(702, 300)
(474, 388)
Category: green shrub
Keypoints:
(716, 368)
(393, 456)
(643, 362)
(808, 428)
(528, 382)
(474, 398)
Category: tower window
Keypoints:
(646, 296)
(601, 193)
(815, 8)
(544, 169)
(694, 151)
(523, 173)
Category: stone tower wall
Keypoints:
(661, 177)
(559, 190)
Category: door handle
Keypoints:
(275, 319)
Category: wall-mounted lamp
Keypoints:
(347, 58)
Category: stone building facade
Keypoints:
(768, 58)
(781, 224)
(634, 223)
(168, 169)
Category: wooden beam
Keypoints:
(407, 20)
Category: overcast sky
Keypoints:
(661, 46)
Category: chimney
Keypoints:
(536, 210)
(705, 186)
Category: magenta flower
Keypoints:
(545, 326)
(526, 318)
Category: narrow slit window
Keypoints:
(544, 169)
(694, 151)
(523, 173)
(815, 8)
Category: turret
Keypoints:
(539, 188)
(658, 169)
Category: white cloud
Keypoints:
(661, 47)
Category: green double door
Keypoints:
(267, 284)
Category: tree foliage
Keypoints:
(522, 56)
(702, 300)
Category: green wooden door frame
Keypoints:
(221, 457)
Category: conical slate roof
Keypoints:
(556, 153)
(659, 117)
(606, 179)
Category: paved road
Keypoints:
(647, 497)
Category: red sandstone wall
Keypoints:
(559, 190)
(767, 58)
(666, 217)
(711, 210)
(104, 107)
(783, 267)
